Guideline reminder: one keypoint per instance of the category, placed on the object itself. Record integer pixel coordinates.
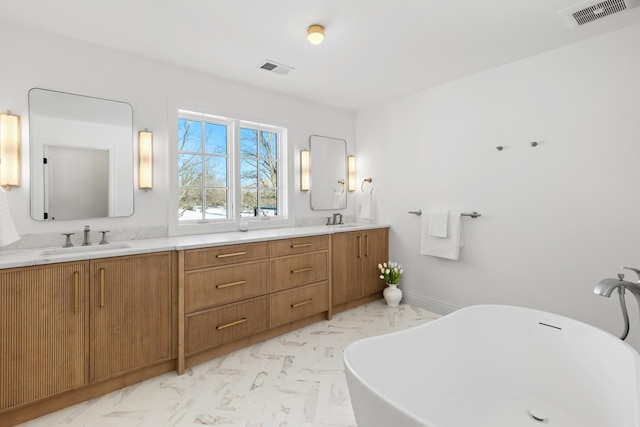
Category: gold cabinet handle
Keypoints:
(231, 254)
(359, 246)
(226, 325)
(228, 285)
(102, 288)
(302, 245)
(76, 291)
(298, 304)
(366, 245)
(302, 270)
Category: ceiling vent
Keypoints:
(274, 67)
(590, 11)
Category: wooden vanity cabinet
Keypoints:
(355, 257)
(131, 302)
(44, 334)
(235, 295)
(299, 281)
(224, 292)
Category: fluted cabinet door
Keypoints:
(131, 321)
(44, 341)
(375, 248)
(347, 271)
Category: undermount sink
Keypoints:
(346, 225)
(92, 248)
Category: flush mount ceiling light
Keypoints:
(315, 34)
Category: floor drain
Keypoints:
(538, 415)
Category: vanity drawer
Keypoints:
(289, 272)
(223, 255)
(220, 325)
(298, 245)
(221, 285)
(295, 304)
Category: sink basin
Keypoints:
(82, 249)
(345, 225)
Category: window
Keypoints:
(258, 172)
(224, 163)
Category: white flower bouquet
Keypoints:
(390, 272)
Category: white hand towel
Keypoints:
(8, 232)
(365, 207)
(438, 223)
(443, 247)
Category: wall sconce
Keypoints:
(9, 150)
(145, 156)
(305, 169)
(351, 167)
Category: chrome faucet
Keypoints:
(87, 240)
(337, 218)
(606, 287)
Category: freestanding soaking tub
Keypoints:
(498, 366)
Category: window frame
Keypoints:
(234, 218)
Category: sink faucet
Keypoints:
(337, 218)
(87, 240)
(606, 287)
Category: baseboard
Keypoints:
(432, 305)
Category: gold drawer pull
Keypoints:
(302, 245)
(228, 285)
(298, 304)
(302, 270)
(232, 254)
(237, 322)
(76, 287)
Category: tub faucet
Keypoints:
(87, 240)
(606, 287)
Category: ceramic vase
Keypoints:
(392, 295)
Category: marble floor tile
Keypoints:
(294, 380)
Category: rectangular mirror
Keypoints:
(81, 156)
(328, 167)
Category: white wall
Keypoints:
(51, 62)
(556, 218)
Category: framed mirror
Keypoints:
(81, 156)
(328, 166)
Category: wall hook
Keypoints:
(533, 143)
(499, 148)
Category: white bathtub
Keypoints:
(492, 365)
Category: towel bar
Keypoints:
(473, 214)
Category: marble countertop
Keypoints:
(40, 256)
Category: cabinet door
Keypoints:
(375, 248)
(44, 341)
(131, 300)
(346, 256)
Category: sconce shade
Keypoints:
(315, 34)
(351, 166)
(9, 150)
(145, 166)
(305, 166)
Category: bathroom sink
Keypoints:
(346, 225)
(82, 249)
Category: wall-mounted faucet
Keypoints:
(606, 287)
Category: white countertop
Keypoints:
(40, 256)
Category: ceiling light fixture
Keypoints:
(315, 34)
